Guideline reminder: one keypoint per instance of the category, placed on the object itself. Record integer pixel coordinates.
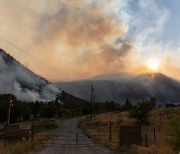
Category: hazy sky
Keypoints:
(83, 38)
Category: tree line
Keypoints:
(23, 110)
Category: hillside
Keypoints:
(23, 83)
(117, 87)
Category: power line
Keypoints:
(23, 51)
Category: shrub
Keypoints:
(174, 133)
(141, 111)
(48, 111)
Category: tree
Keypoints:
(127, 106)
(153, 102)
(174, 133)
(15, 108)
(48, 111)
(110, 106)
(141, 111)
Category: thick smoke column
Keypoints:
(74, 35)
(24, 84)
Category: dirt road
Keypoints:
(71, 140)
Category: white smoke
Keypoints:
(24, 84)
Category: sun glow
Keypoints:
(153, 64)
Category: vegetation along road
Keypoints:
(69, 139)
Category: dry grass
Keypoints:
(153, 149)
(44, 123)
(160, 117)
(16, 148)
(39, 138)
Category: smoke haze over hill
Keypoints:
(120, 86)
(24, 84)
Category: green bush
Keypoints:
(48, 111)
(174, 133)
(141, 111)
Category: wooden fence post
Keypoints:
(146, 140)
(77, 138)
(33, 129)
(53, 138)
(110, 131)
(154, 133)
(161, 122)
(158, 128)
(98, 136)
(119, 136)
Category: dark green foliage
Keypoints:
(27, 112)
(174, 133)
(127, 106)
(141, 111)
(48, 111)
(3, 110)
(17, 111)
(170, 105)
(110, 106)
(153, 102)
(16, 108)
(46, 124)
(23, 110)
(95, 107)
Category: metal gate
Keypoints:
(63, 139)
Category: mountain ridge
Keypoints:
(164, 88)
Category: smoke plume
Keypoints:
(83, 38)
(24, 84)
(73, 35)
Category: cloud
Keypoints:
(111, 53)
(75, 36)
(61, 31)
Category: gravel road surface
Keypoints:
(69, 139)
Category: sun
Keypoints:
(153, 64)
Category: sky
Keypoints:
(83, 38)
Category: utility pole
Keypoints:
(92, 95)
(9, 110)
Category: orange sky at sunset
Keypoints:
(80, 39)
